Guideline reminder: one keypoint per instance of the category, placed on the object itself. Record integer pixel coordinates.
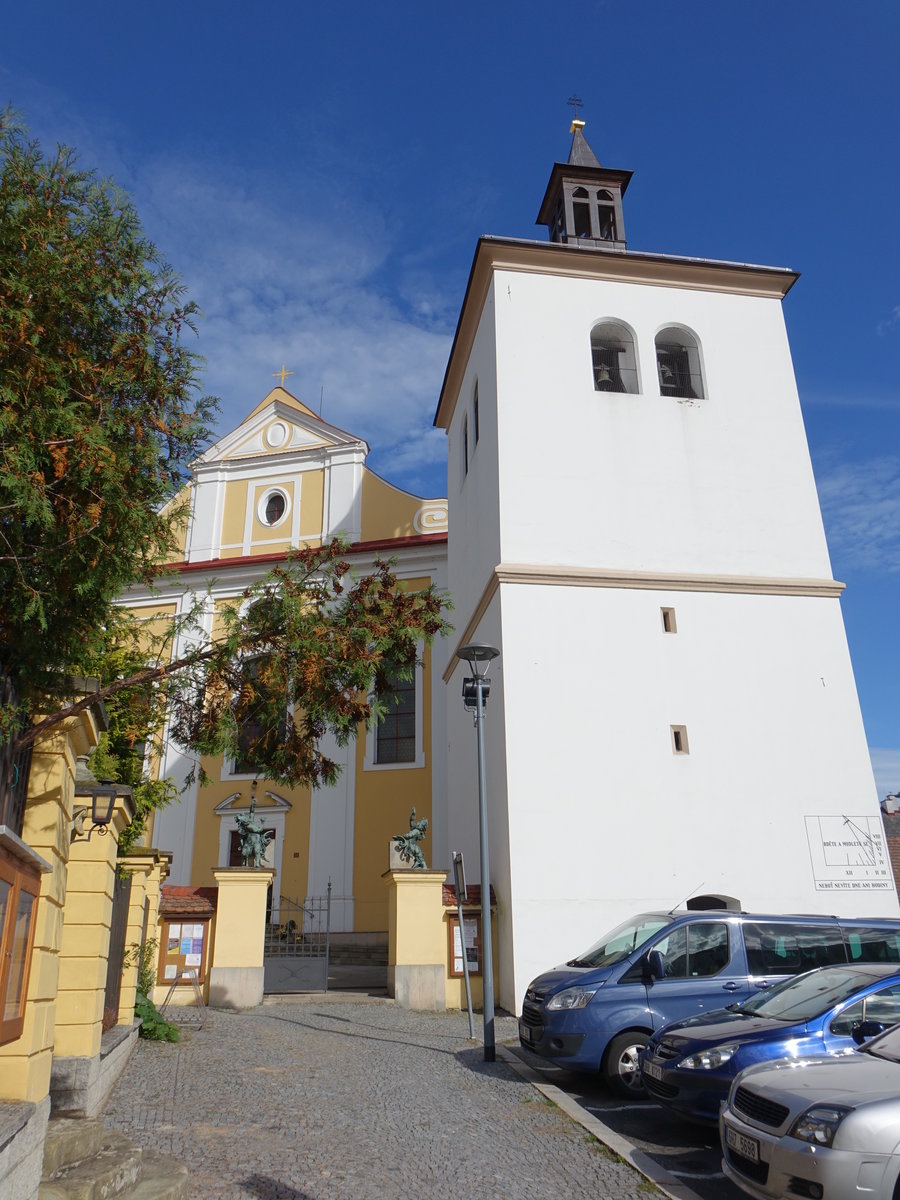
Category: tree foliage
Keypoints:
(99, 407)
(310, 650)
(100, 417)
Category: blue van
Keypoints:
(597, 1012)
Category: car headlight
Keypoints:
(710, 1060)
(573, 997)
(819, 1125)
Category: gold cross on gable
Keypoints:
(282, 374)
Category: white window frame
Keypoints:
(263, 502)
(369, 763)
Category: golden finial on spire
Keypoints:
(282, 374)
(575, 100)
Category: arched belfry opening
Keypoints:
(583, 201)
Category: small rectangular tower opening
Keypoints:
(668, 620)
(679, 739)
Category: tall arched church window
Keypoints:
(678, 364)
(613, 358)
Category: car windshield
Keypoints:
(806, 996)
(615, 946)
(886, 1045)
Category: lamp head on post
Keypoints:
(479, 656)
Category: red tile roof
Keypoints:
(473, 891)
(177, 901)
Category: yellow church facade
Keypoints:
(285, 478)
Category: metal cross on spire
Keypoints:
(575, 100)
(282, 374)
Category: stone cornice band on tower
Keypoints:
(658, 581)
(573, 261)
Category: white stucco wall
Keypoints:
(462, 794)
(605, 820)
(645, 482)
(474, 538)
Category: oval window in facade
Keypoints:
(273, 507)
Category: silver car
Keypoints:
(817, 1127)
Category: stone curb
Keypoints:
(323, 998)
(642, 1163)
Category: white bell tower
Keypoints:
(634, 523)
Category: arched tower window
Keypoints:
(606, 216)
(581, 211)
(678, 364)
(613, 358)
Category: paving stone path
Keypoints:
(330, 1100)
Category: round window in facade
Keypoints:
(276, 434)
(273, 507)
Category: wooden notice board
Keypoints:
(184, 948)
(472, 941)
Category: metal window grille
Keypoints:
(395, 734)
(610, 374)
(676, 378)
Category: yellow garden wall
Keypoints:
(148, 869)
(85, 942)
(25, 1063)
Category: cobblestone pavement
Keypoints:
(329, 1099)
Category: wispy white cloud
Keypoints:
(861, 509)
(285, 282)
(891, 322)
(854, 400)
(301, 267)
(886, 766)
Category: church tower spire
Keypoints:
(583, 201)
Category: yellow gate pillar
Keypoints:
(417, 946)
(237, 975)
(80, 1079)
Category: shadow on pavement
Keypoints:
(263, 1187)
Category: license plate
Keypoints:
(653, 1070)
(748, 1147)
(526, 1033)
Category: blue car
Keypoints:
(689, 1065)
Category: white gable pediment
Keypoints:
(276, 429)
(236, 803)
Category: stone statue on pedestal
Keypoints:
(407, 844)
(254, 839)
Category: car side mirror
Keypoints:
(863, 1030)
(654, 966)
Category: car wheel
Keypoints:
(623, 1064)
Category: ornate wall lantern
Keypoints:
(101, 798)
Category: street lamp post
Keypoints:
(476, 690)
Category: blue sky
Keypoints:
(319, 176)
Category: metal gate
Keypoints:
(117, 929)
(298, 944)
